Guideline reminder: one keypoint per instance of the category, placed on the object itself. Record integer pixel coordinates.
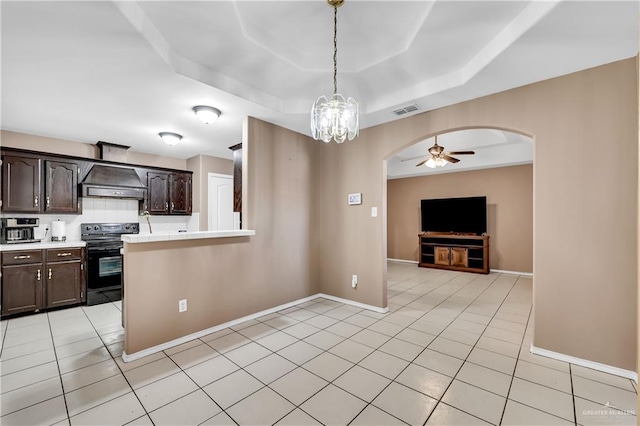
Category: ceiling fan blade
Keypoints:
(412, 158)
(450, 159)
(461, 153)
(422, 162)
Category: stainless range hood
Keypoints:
(113, 182)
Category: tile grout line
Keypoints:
(515, 367)
(573, 397)
(55, 353)
(473, 347)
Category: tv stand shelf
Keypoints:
(457, 252)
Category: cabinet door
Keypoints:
(237, 177)
(64, 283)
(21, 191)
(21, 288)
(441, 255)
(61, 187)
(460, 256)
(180, 193)
(158, 193)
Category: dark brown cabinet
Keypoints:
(65, 277)
(237, 177)
(61, 187)
(22, 275)
(169, 193)
(22, 189)
(158, 193)
(180, 193)
(21, 289)
(39, 279)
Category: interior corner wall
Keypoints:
(201, 166)
(228, 278)
(585, 208)
(509, 192)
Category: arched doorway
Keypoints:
(500, 169)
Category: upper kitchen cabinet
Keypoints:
(158, 192)
(180, 193)
(169, 193)
(21, 184)
(61, 187)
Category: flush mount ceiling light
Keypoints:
(334, 118)
(206, 114)
(170, 138)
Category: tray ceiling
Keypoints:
(124, 71)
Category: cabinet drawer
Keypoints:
(21, 257)
(55, 255)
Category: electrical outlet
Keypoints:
(182, 305)
(354, 281)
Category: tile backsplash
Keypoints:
(106, 210)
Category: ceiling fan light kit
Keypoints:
(440, 158)
(335, 118)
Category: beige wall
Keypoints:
(86, 150)
(585, 209)
(201, 166)
(509, 192)
(228, 278)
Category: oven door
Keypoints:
(104, 267)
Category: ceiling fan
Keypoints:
(438, 157)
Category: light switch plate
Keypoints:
(374, 212)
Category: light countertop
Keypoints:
(196, 235)
(42, 245)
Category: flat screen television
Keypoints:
(455, 215)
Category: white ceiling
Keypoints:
(493, 148)
(123, 71)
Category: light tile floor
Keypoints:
(454, 349)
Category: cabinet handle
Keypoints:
(118, 192)
(49, 273)
(21, 257)
(48, 202)
(166, 205)
(38, 275)
(64, 254)
(172, 207)
(35, 200)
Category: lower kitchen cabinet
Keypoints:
(41, 279)
(21, 289)
(66, 283)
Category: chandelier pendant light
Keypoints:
(334, 118)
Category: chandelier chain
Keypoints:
(335, 50)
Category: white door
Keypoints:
(221, 215)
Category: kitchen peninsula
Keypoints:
(202, 268)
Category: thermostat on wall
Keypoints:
(355, 198)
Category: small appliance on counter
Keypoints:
(58, 230)
(18, 230)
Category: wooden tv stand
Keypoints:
(457, 252)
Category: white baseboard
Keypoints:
(184, 339)
(352, 303)
(415, 262)
(627, 374)
(502, 271)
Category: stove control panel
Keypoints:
(109, 228)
